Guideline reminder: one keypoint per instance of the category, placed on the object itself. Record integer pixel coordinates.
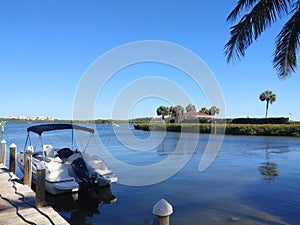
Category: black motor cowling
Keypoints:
(80, 169)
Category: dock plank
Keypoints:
(23, 203)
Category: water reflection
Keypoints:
(268, 170)
(81, 205)
(181, 144)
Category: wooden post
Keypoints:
(3, 152)
(162, 209)
(215, 122)
(12, 158)
(27, 168)
(40, 186)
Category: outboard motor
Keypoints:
(80, 169)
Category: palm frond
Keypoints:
(241, 38)
(262, 97)
(242, 4)
(287, 43)
(249, 28)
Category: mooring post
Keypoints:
(12, 158)
(40, 186)
(215, 122)
(27, 168)
(3, 152)
(162, 209)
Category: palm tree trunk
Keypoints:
(267, 108)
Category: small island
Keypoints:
(179, 119)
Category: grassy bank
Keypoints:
(292, 130)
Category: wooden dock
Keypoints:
(17, 203)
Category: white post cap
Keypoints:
(162, 208)
(13, 145)
(3, 141)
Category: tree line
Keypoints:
(177, 112)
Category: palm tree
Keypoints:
(214, 110)
(190, 107)
(263, 13)
(162, 111)
(205, 110)
(177, 112)
(269, 97)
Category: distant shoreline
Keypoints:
(286, 130)
(271, 120)
(99, 121)
(290, 129)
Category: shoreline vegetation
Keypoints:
(291, 130)
(279, 126)
(276, 126)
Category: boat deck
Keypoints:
(17, 203)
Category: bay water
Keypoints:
(252, 180)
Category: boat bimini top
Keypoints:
(39, 129)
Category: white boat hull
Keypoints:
(66, 170)
(60, 177)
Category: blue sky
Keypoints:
(47, 46)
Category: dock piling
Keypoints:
(40, 186)
(162, 209)
(27, 168)
(12, 158)
(3, 152)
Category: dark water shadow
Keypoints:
(77, 207)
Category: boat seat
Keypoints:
(40, 157)
(49, 150)
(30, 148)
(64, 153)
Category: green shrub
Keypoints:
(272, 120)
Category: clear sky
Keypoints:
(47, 46)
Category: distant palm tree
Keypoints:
(190, 107)
(214, 110)
(205, 110)
(263, 13)
(177, 112)
(162, 111)
(269, 97)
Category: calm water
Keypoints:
(254, 180)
